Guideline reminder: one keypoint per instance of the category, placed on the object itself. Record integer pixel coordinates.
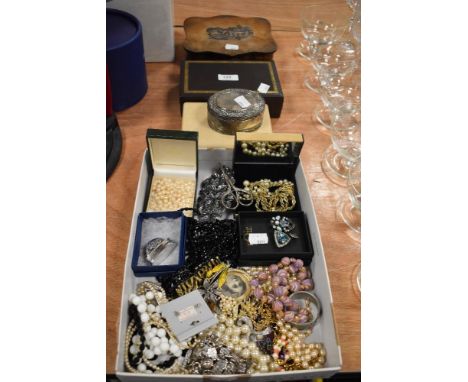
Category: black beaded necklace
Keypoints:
(205, 241)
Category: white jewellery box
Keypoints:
(188, 315)
(324, 331)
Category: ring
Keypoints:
(155, 247)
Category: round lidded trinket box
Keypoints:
(235, 110)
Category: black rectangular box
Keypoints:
(199, 80)
(265, 254)
(254, 168)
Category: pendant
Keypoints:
(281, 238)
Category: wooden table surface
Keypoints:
(160, 109)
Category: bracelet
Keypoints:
(310, 299)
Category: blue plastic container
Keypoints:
(125, 59)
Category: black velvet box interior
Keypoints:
(251, 168)
(199, 80)
(264, 254)
(256, 171)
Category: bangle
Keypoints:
(309, 300)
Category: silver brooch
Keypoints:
(211, 357)
(282, 230)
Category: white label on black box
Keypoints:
(258, 238)
(242, 102)
(231, 47)
(263, 88)
(228, 77)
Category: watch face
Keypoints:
(236, 285)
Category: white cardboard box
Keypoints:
(156, 18)
(324, 331)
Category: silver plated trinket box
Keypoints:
(235, 110)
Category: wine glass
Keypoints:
(319, 27)
(349, 207)
(355, 20)
(331, 65)
(341, 104)
(358, 277)
(346, 116)
(342, 154)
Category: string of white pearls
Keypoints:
(237, 338)
(171, 194)
(157, 342)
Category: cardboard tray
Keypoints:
(324, 332)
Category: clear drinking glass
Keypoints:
(349, 207)
(306, 50)
(320, 27)
(346, 116)
(355, 21)
(331, 65)
(341, 103)
(342, 155)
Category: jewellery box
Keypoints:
(228, 36)
(168, 226)
(256, 228)
(188, 315)
(233, 110)
(200, 79)
(195, 118)
(172, 165)
(273, 156)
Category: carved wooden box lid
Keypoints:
(228, 35)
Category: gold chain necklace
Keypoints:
(272, 196)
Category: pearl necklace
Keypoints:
(236, 336)
(292, 353)
(262, 149)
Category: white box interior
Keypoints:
(323, 332)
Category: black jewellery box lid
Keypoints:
(255, 167)
(171, 153)
(200, 79)
(251, 254)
